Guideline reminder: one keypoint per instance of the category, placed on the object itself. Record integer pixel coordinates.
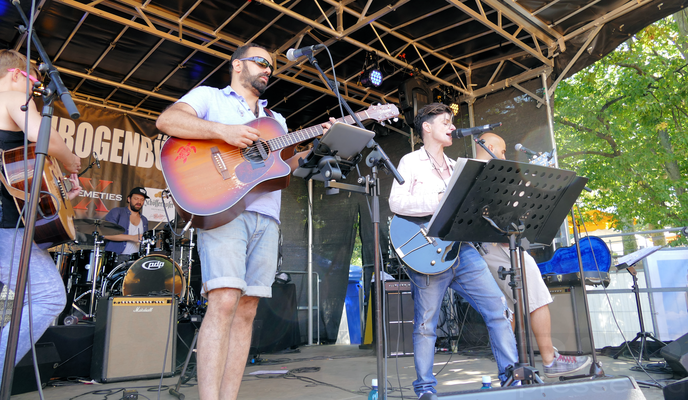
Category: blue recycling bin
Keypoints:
(352, 304)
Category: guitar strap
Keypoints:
(269, 112)
(14, 192)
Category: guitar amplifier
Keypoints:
(135, 338)
(399, 312)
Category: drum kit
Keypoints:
(161, 267)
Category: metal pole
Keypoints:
(550, 121)
(379, 337)
(564, 229)
(471, 122)
(310, 262)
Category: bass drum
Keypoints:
(154, 275)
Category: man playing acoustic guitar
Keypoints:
(46, 288)
(239, 258)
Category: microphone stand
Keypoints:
(371, 187)
(481, 143)
(55, 87)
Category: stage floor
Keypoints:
(335, 372)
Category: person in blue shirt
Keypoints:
(131, 219)
(239, 258)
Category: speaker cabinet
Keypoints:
(676, 355)
(74, 344)
(24, 376)
(676, 391)
(135, 338)
(569, 322)
(399, 312)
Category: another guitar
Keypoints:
(55, 217)
(214, 181)
(423, 254)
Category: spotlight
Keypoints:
(455, 108)
(447, 95)
(371, 76)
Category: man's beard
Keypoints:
(135, 208)
(256, 83)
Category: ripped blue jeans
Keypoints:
(471, 279)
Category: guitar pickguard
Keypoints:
(249, 171)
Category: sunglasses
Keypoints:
(31, 77)
(262, 62)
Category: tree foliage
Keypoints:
(622, 123)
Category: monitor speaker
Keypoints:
(676, 355)
(74, 344)
(399, 312)
(602, 388)
(135, 338)
(25, 378)
(676, 391)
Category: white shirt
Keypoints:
(132, 247)
(418, 196)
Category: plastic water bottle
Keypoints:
(373, 392)
(487, 382)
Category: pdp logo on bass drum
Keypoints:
(152, 265)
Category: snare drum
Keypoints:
(153, 274)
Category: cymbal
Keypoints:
(88, 226)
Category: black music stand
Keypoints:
(627, 262)
(335, 154)
(505, 201)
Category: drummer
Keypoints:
(133, 222)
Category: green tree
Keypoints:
(622, 123)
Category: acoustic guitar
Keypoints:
(55, 216)
(214, 181)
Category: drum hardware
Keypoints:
(190, 245)
(99, 228)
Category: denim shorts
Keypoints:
(241, 254)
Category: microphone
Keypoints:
(293, 54)
(95, 155)
(459, 133)
(519, 147)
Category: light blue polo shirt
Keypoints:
(228, 107)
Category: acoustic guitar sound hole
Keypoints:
(257, 152)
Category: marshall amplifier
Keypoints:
(135, 338)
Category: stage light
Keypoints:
(455, 108)
(447, 95)
(371, 76)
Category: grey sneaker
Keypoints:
(564, 365)
(428, 396)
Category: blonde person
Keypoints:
(46, 288)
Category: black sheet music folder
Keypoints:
(506, 192)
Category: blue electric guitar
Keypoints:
(420, 252)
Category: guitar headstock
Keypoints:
(382, 112)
